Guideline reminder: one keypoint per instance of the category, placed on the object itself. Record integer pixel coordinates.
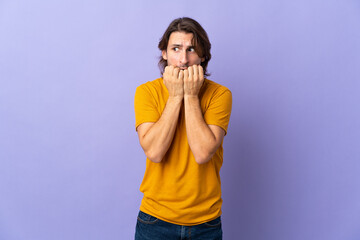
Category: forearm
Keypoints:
(202, 140)
(156, 141)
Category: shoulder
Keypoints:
(154, 84)
(150, 87)
(214, 88)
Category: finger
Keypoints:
(201, 72)
(176, 72)
(181, 75)
(196, 71)
(191, 72)
(186, 74)
(171, 69)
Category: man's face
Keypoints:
(180, 52)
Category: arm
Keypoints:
(203, 139)
(155, 138)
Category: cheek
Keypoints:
(195, 60)
(173, 59)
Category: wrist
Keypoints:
(191, 96)
(191, 99)
(175, 99)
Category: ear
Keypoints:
(164, 55)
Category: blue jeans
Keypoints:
(152, 228)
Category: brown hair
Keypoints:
(201, 41)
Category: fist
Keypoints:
(173, 79)
(193, 80)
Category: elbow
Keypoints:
(203, 158)
(204, 155)
(152, 154)
(201, 161)
(154, 157)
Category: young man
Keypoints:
(181, 120)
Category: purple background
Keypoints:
(71, 164)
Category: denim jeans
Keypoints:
(152, 228)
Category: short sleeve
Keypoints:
(219, 111)
(145, 106)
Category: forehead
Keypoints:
(181, 38)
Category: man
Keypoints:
(181, 120)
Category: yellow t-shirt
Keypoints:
(179, 190)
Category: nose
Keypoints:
(183, 57)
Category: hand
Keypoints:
(193, 80)
(174, 81)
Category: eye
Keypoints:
(176, 49)
(191, 49)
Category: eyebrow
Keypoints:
(180, 45)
